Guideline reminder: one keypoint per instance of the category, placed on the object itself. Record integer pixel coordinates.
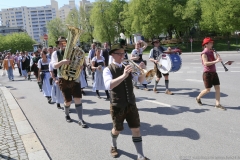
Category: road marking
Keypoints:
(151, 101)
(234, 67)
(191, 71)
(197, 67)
(194, 80)
(238, 63)
(235, 71)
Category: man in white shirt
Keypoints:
(69, 88)
(118, 79)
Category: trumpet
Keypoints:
(136, 70)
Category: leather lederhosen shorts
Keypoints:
(70, 89)
(130, 113)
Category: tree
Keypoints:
(73, 18)
(84, 14)
(220, 16)
(104, 28)
(17, 41)
(56, 28)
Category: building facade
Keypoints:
(31, 19)
(4, 30)
(64, 10)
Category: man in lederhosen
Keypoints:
(118, 79)
(154, 55)
(69, 88)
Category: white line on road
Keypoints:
(235, 71)
(178, 72)
(195, 63)
(194, 80)
(197, 67)
(160, 103)
(191, 71)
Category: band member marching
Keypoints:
(154, 55)
(56, 94)
(118, 79)
(43, 66)
(34, 66)
(136, 56)
(210, 76)
(98, 64)
(69, 88)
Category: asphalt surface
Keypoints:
(173, 126)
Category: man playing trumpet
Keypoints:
(118, 79)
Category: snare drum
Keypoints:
(170, 63)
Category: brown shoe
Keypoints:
(114, 152)
(155, 90)
(198, 101)
(146, 89)
(145, 158)
(168, 92)
(220, 107)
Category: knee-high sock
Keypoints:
(155, 85)
(114, 140)
(79, 110)
(138, 145)
(107, 93)
(166, 83)
(67, 108)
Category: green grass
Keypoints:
(219, 45)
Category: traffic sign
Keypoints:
(45, 36)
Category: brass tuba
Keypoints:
(73, 53)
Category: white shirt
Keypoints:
(107, 75)
(54, 58)
(98, 60)
(40, 62)
(135, 52)
(51, 67)
(9, 65)
(110, 60)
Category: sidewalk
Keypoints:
(17, 138)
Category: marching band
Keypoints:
(111, 71)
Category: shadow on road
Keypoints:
(195, 92)
(130, 155)
(93, 112)
(172, 110)
(156, 130)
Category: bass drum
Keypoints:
(170, 63)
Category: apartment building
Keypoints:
(31, 19)
(64, 10)
(85, 5)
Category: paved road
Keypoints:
(173, 127)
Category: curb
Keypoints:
(32, 144)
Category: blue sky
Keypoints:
(32, 3)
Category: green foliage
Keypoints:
(56, 28)
(220, 16)
(16, 41)
(87, 28)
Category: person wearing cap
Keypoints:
(118, 79)
(136, 56)
(210, 76)
(154, 55)
(69, 88)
